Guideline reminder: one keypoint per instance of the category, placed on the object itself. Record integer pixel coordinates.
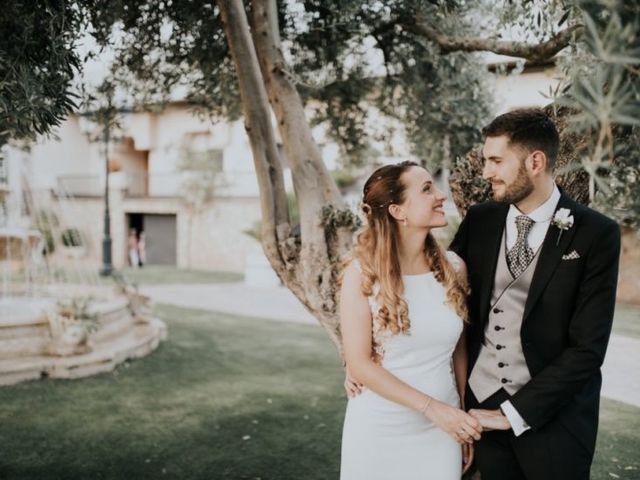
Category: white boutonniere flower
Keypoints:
(563, 220)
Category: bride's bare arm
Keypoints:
(355, 323)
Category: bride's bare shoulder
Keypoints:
(352, 276)
(352, 270)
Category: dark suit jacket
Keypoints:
(568, 313)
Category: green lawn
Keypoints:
(224, 397)
(156, 274)
(147, 275)
(627, 320)
(618, 442)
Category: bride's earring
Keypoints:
(404, 222)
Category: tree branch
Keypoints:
(532, 52)
(257, 118)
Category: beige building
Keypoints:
(188, 184)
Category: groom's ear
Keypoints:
(538, 162)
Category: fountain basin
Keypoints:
(27, 336)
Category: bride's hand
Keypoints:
(460, 425)
(491, 419)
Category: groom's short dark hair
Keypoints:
(529, 128)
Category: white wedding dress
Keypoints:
(383, 440)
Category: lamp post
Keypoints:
(97, 125)
(107, 266)
(101, 122)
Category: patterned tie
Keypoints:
(520, 256)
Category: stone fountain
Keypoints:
(59, 329)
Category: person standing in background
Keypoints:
(132, 245)
(142, 250)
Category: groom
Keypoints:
(543, 273)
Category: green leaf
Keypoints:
(625, 119)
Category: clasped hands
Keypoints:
(490, 419)
(465, 427)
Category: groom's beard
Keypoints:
(518, 190)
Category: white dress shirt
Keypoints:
(542, 217)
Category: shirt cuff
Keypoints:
(518, 424)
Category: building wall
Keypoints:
(68, 152)
(215, 236)
(210, 239)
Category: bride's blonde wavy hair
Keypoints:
(376, 249)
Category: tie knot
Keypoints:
(524, 224)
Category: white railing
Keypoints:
(164, 185)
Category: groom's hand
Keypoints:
(491, 419)
(351, 386)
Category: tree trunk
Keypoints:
(308, 265)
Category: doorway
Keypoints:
(160, 236)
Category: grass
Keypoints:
(183, 411)
(147, 275)
(225, 397)
(627, 320)
(159, 274)
(618, 442)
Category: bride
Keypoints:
(402, 312)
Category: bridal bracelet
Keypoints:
(423, 409)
